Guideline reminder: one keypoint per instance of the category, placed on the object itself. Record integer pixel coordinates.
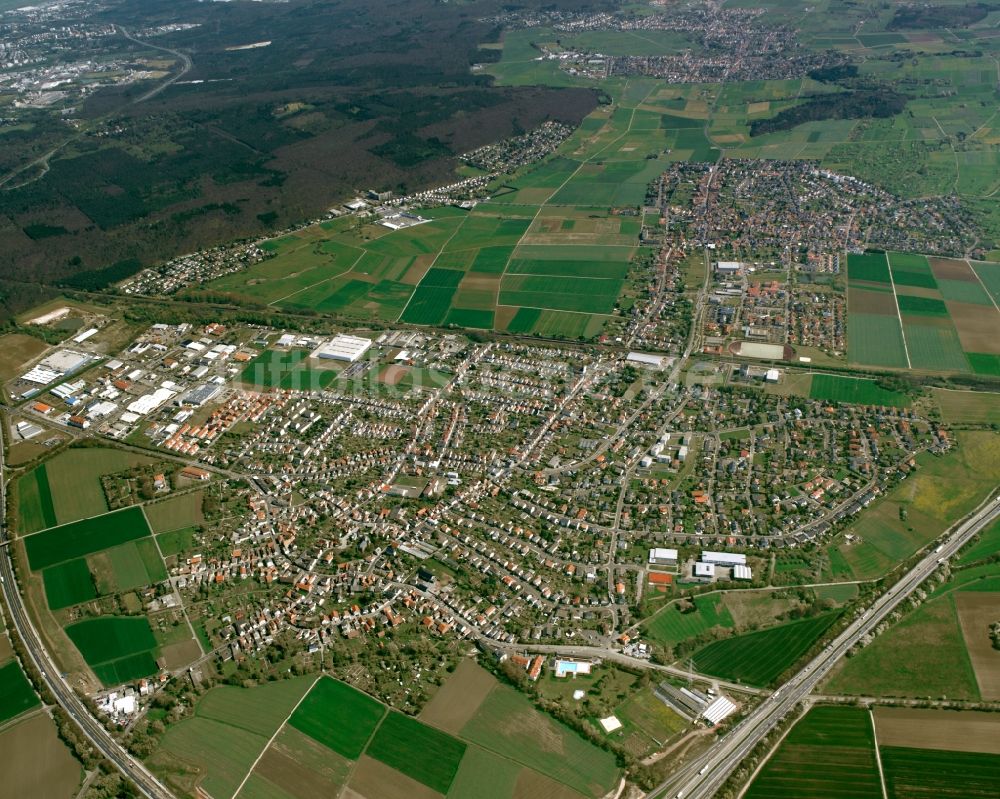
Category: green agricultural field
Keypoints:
(984, 363)
(176, 513)
(260, 710)
(72, 540)
(829, 753)
(670, 626)
(272, 367)
(484, 775)
(74, 479)
(68, 583)
(868, 268)
(854, 391)
(989, 274)
(176, 541)
(758, 658)
(988, 544)
(910, 269)
(16, 693)
(34, 496)
(922, 655)
(508, 724)
(934, 347)
(921, 306)
(585, 295)
(220, 753)
(943, 489)
(970, 407)
(918, 773)
(229, 731)
(429, 756)
(118, 648)
(875, 340)
(135, 564)
(338, 716)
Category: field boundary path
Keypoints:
(878, 757)
(275, 735)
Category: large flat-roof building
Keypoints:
(724, 558)
(663, 557)
(343, 348)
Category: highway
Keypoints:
(102, 740)
(703, 777)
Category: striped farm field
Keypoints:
(920, 773)
(910, 269)
(427, 755)
(875, 340)
(16, 693)
(934, 347)
(338, 716)
(758, 658)
(907, 310)
(509, 725)
(69, 541)
(829, 753)
(869, 267)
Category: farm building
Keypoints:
(342, 348)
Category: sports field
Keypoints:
(16, 693)
(906, 310)
(72, 540)
(830, 752)
(758, 658)
(118, 648)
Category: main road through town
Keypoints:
(703, 777)
(102, 740)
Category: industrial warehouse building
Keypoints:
(343, 348)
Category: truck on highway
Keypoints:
(939, 547)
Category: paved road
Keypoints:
(185, 60)
(148, 784)
(702, 778)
